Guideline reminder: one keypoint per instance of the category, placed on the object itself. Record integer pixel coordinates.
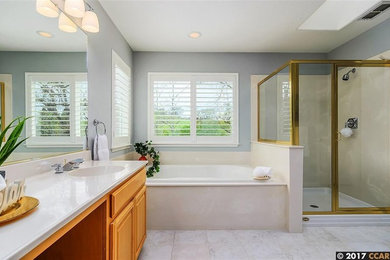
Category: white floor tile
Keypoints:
(314, 243)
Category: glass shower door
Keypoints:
(315, 82)
(363, 143)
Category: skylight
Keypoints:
(334, 15)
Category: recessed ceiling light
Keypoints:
(334, 15)
(195, 35)
(45, 34)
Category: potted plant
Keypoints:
(12, 141)
(145, 149)
(142, 149)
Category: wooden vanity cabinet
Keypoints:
(140, 220)
(122, 230)
(112, 228)
(128, 210)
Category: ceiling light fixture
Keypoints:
(46, 8)
(76, 15)
(45, 34)
(195, 35)
(90, 22)
(334, 15)
(75, 8)
(65, 24)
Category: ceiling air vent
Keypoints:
(376, 10)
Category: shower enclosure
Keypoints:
(340, 112)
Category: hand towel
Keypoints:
(100, 148)
(3, 184)
(262, 171)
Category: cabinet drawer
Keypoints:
(121, 196)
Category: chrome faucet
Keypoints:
(68, 166)
(58, 168)
(77, 162)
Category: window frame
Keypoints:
(41, 142)
(193, 140)
(123, 142)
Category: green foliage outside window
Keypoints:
(210, 121)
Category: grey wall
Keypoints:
(100, 47)
(245, 64)
(18, 63)
(368, 44)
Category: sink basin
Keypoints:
(96, 171)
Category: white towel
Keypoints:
(346, 132)
(100, 148)
(3, 184)
(262, 171)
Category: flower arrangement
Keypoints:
(145, 149)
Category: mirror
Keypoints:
(274, 106)
(43, 74)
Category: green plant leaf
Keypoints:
(4, 157)
(4, 132)
(13, 138)
(12, 141)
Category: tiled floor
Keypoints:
(315, 243)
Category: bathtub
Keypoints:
(214, 197)
(207, 175)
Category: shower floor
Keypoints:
(322, 198)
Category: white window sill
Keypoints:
(117, 149)
(194, 145)
(54, 145)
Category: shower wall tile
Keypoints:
(364, 158)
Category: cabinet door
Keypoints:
(140, 219)
(122, 234)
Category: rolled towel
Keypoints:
(262, 171)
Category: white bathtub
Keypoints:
(207, 175)
(214, 197)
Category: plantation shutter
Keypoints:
(172, 108)
(50, 108)
(214, 108)
(193, 109)
(121, 102)
(284, 117)
(58, 105)
(81, 108)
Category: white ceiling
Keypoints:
(19, 23)
(226, 26)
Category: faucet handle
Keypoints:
(76, 162)
(58, 168)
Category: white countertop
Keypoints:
(62, 197)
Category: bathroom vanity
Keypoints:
(95, 212)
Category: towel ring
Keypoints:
(96, 123)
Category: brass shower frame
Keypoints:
(293, 66)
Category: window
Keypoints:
(121, 103)
(58, 105)
(283, 106)
(193, 109)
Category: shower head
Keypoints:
(346, 75)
